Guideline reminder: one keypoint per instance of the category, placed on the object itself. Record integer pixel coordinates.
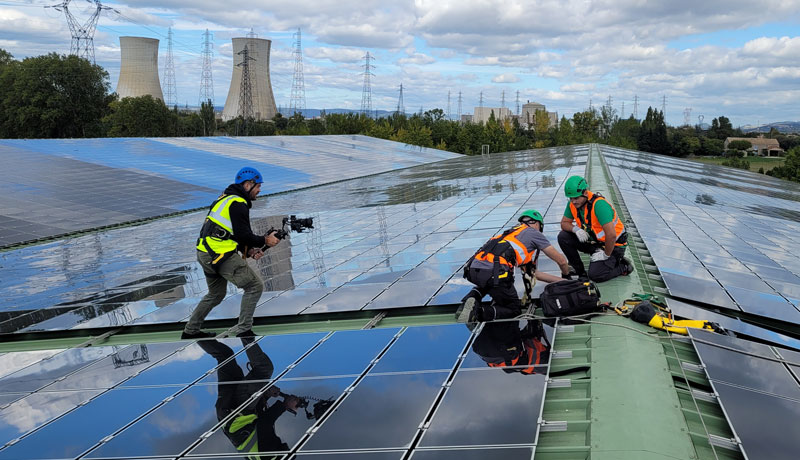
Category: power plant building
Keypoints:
(138, 73)
(263, 101)
(529, 113)
(482, 114)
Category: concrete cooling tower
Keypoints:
(138, 73)
(263, 101)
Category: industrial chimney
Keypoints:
(138, 73)
(263, 101)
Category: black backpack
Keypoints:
(571, 297)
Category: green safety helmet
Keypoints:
(531, 214)
(575, 187)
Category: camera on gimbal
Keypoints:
(292, 224)
(318, 409)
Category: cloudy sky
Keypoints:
(735, 58)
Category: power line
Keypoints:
(206, 77)
(82, 44)
(366, 91)
(297, 101)
(169, 74)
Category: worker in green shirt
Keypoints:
(591, 225)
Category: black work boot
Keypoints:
(197, 335)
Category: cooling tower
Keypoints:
(138, 73)
(263, 101)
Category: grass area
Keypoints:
(755, 162)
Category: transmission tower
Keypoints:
(206, 80)
(503, 99)
(664, 106)
(687, 115)
(459, 106)
(246, 88)
(622, 114)
(169, 74)
(480, 101)
(401, 108)
(82, 44)
(636, 107)
(298, 99)
(366, 92)
(517, 102)
(449, 115)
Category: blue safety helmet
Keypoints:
(248, 173)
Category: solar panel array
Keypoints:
(758, 387)
(718, 236)
(60, 186)
(379, 393)
(387, 241)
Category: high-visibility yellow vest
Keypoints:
(220, 214)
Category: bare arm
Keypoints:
(566, 224)
(611, 237)
(558, 258)
(547, 278)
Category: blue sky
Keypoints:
(735, 58)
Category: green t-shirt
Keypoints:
(603, 211)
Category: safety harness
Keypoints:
(585, 222)
(501, 254)
(648, 309)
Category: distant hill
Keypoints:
(782, 126)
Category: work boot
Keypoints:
(197, 335)
(466, 311)
(247, 333)
(628, 266)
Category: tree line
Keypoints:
(56, 96)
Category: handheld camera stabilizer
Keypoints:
(318, 409)
(292, 224)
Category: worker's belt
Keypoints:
(212, 229)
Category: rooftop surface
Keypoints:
(91, 325)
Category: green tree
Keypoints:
(5, 58)
(297, 125)
(280, 121)
(52, 96)
(653, 133)
(586, 125)
(740, 145)
(624, 133)
(541, 127)
(711, 147)
(316, 126)
(208, 118)
(721, 128)
(563, 133)
(141, 116)
(790, 169)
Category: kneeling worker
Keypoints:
(491, 270)
(591, 225)
(225, 231)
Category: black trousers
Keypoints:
(505, 300)
(598, 271)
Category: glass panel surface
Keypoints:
(748, 371)
(390, 455)
(463, 420)
(79, 430)
(763, 304)
(344, 353)
(120, 366)
(361, 421)
(282, 429)
(513, 453)
(291, 302)
(709, 292)
(424, 348)
(513, 343)
(347, 298)
(13, 361)
(37, 409)
(48, 370)
(766, 425)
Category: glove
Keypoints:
(582, 235)
(599, 256)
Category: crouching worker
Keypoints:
(592, 226)
(491, 270)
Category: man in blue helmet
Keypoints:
(226, 231)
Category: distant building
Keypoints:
(482, 114)
(466, 118)
(761, 146)
(138, 73)
(529, 111)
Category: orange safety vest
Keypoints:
(593, 225)
(521, 254)
(531, 348)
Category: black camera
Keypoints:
(292, 224)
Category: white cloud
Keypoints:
(349, 55)
(416, 59)
(505, 78)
